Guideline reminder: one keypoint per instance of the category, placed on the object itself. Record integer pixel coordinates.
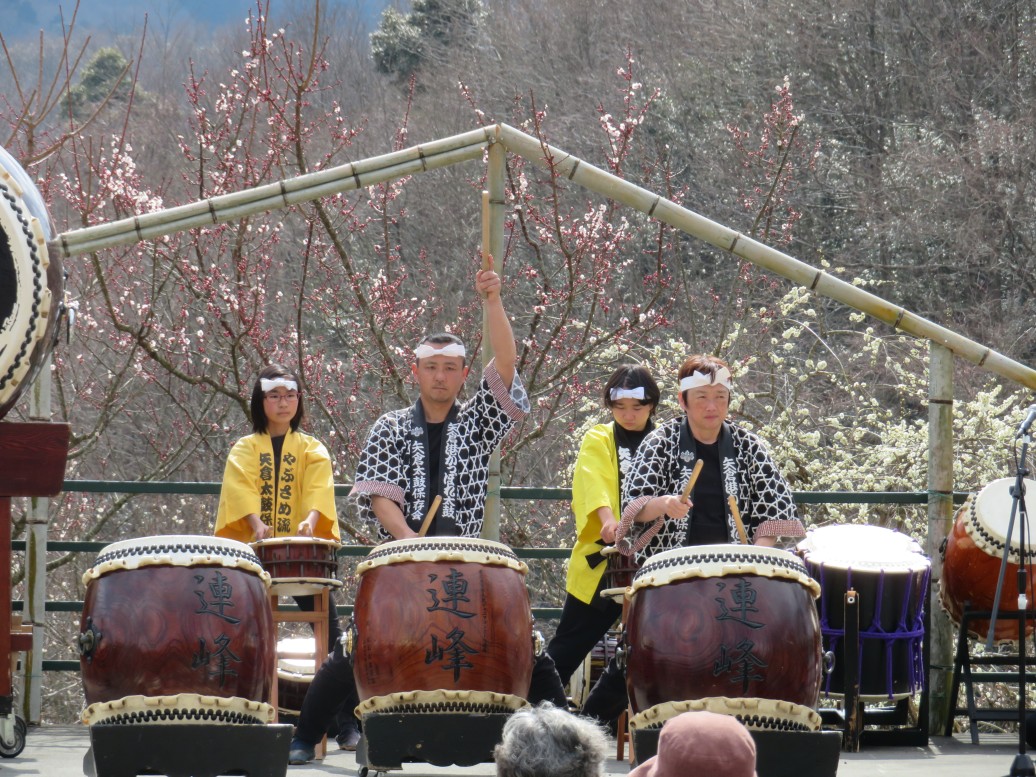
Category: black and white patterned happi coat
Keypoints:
(394, 461)
(661, 468)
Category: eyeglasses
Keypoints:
(290, 396)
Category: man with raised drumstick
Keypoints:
(424, 470)
(698, 479)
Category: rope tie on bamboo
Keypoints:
(212, 210)
(284, 193)
(420, 156)
(136, 227)
(356, 177)
(899, 318)
(654, 205)
(572, 172)
(733, 245)
(985, 355)
(816, 280)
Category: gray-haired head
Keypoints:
(545, 741)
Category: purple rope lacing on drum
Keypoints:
(913, 633)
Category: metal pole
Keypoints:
(940, 522)
(495, 174)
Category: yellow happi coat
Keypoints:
(595, 483)
(305, 483)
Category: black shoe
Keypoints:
(348, 737)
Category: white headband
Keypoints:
(697, 379)
(269, 384)
(633, 393)
(424, 350)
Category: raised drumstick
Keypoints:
(694, 477)
(431, 514)
(737, 519)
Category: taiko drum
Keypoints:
(723, 621)
(974, 552)
(299, 564)
(442, 613)
(170, 615)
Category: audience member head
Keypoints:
(704, 743)
(545, 741)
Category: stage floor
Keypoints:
(59, 751)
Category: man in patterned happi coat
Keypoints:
(437, 447)
(655, 515)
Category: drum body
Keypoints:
(442, 614)
(723, 621)
(294, 673)
(30, 283)
(974, 552)
(299, 565)
(173, 615)
(890, 574)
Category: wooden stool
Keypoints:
(318, 618)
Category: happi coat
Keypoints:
(304, 482)
(394, 462)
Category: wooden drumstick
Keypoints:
(694, 477)
(485, 230)
(431, 514)
(737, 519)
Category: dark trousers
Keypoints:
(609, 697)
(334, 686)
(581, 627)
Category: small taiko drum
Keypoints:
(294, 673)
(31, 283)
(974, 552)
(442, 624)
(618, 575)
(299, 565)
(177, 629)
(716, 622)
(890, 574)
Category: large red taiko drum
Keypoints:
(442, 623)
(177, 629)
(722, 622)
(974, 552)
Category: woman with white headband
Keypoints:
(735, 463)
(278, 482)
(631, 396)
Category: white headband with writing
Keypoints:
(698, 379)
(622, 393)
(269, 384)
(425, 350)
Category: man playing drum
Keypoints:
(657, 515)
(439, 447)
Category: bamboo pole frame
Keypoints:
(759, 254)
(292, 191)
(940, 522)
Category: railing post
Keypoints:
(34, 612)
(940, 521)
(495, 185)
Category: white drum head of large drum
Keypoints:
(987, 517)
(176, 550)
(27, 304)
(697, 561)
(438, 549)
(295, 656)
(862, 547)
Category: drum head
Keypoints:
(30, 283)
(719, 560)
(178, 550)
(988, 514)
(862, 547)
(440, 549)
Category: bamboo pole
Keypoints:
(492, 245)
(35, 599)
(759, 254)
(940, 521)
(303, 188)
